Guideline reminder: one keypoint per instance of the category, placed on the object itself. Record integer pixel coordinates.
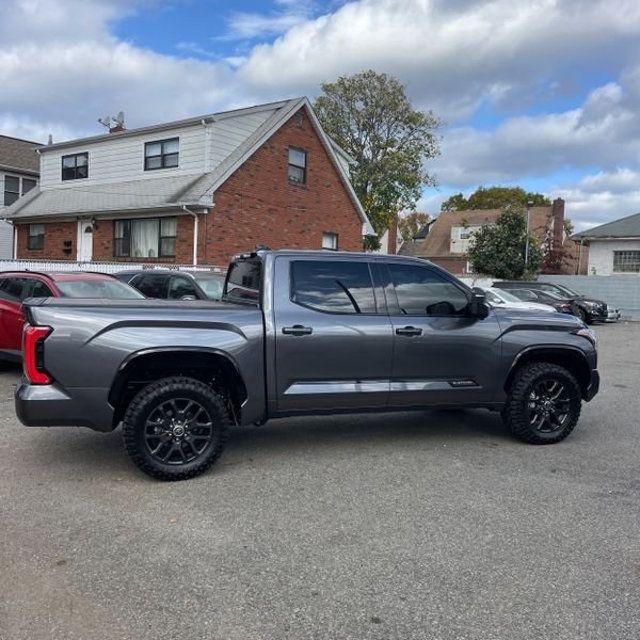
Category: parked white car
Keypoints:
(504, 299)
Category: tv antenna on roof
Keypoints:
(113, 123)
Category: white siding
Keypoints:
(229, 133)
(6, 230)
(461, 238)
(601, 255)
(121, 159)
(6, 240)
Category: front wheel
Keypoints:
(543, 404)
(175, 428)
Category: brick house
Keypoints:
(18, 175)
(446, 240)
(196, 191)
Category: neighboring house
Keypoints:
(391, 240)
(447, 239)
(194, 191)
(614, 247)
(19, 164)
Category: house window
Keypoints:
(145, 238)
(626, 261)
(11, 189)
(15, 186)
(297, 170)
(162, 154)
(35, 241)
(75, 166)
(27, 185)
(330, 241)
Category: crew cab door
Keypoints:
(333, 338)
(441, 353)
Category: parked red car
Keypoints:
(16, 286)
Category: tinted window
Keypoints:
(111, 289)
(336, 287)
(13, 288)
(40, 290)
(151, 286)
(181, 286)
(422, 292)
(243, 283)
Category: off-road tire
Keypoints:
(515, 411)
(150, 399)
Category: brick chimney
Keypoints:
(392, 244)
(557, 212)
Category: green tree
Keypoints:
(411, 223)
(499, 250)
(495, 198)
(370, 117)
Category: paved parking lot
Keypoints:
(417, 525)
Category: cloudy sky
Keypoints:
(540, 93)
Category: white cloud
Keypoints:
(66, 69)
(61, 67)
(602, 197)
(453, 55)
(604, 131)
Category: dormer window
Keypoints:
(75, 166)
(162, 154)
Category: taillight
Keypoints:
(33, 354)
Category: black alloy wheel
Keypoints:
(176, 428)
(549, 405)
(543, 403)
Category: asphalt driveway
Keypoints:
(424, 525)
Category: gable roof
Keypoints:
(437, 241)
(19, 155)
(628, 227)
(192, 190)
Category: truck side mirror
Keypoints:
(478, 305)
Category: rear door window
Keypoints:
(15, 288)
(333, 286)
(152, 286)
(40, 290)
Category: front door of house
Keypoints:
(85, 240)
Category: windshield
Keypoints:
(110, 289)
(504, 296)
(211, 284)
(554, 295)
(568, 291)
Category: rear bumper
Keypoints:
(593, 387)
(53, 406)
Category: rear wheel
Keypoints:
(175, 428)
(543, 404)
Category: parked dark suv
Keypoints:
(175, 285)
(587, 309)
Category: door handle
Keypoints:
(409, 331)
(297, 330)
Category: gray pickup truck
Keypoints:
(298, 332)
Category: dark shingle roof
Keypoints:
(628, 227)
(19, 154)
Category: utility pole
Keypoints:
(526, 245)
